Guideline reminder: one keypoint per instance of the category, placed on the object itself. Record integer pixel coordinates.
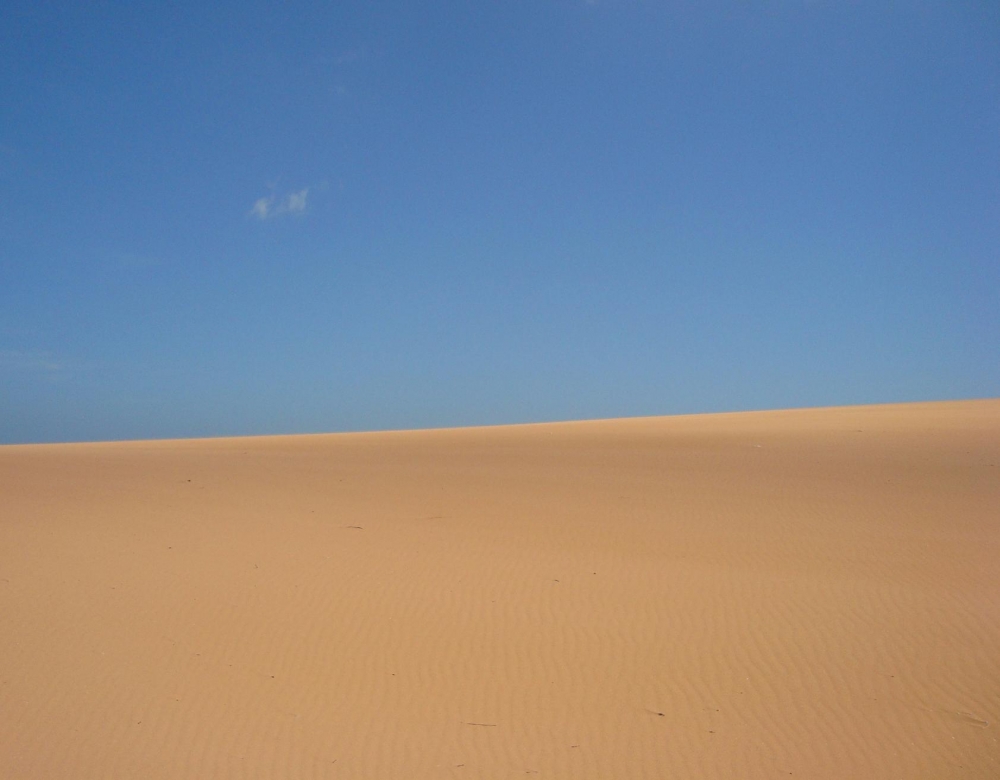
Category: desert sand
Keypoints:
(805, 593)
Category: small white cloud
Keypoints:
(297, 201)
(270, 207)
(262, 208)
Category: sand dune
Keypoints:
(807, 593)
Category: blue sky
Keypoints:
(241, 218)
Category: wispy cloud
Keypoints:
(297, 201)
(272, 206)
(262, 208)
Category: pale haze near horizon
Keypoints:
(251, 218)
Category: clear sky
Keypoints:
(236, 218)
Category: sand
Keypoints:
(806, 593)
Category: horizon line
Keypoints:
(461, 428)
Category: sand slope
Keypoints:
(809, 593)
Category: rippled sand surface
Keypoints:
(806, 593)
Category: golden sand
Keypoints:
(806, 593)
